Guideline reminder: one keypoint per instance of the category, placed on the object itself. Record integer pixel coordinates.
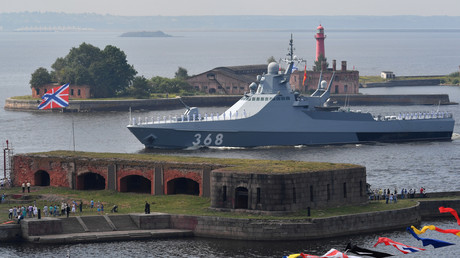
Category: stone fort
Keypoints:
(227, 188)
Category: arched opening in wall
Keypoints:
(90, 181)
(42, 178)
(136, 184)
(212, 91)
(241, 198)
(183, 186)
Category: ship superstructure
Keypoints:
(272, 114)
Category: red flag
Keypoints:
(304, 75)
(452, 211)
(401, 247)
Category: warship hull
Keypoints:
(217, 134)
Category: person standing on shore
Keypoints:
(23, 187)
(68, 210)
(28, 187)
(147, 208)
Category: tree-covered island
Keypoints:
(108, 75)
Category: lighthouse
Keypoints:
(320, 42)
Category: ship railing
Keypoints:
(188, 118)
(415, 116)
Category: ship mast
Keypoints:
(291, 49)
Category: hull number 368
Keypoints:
(208, 140)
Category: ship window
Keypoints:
(266, 99)
(253, 99)
(277, 98)
(288, 98)
(257, 99)
(282, 98)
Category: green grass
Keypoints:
(173, 204)
(240, 165)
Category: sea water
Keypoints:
(433, 165)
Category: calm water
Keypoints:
(434, 165)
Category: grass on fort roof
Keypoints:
(241, 165)
(172, 204)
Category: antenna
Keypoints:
(291, 49)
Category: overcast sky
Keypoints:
(238, 7)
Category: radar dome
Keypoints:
(273, 68)
(323, 84)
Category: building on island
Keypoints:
(75, 91)
(387, 75)
(345, 81)
(235, 80)
(229, 80)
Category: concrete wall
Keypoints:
(44, 226)
(250, 229)
(378, 100)
(10, 233)
(430, 208)
(254, 229)
(289, 192)
(397, 83)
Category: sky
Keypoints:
(237, 7)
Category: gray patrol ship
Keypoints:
(272, 114)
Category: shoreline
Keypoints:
(162, 225)
(219, 100)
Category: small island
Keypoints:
(155, 34)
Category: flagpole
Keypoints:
(73, 134)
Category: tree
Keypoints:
(321, 59)
(40, 77)
(181, 73)
(271, 59)
(107, 72)
(111, 74)
(140, 88)
(166, 85)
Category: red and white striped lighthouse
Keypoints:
(320, 42)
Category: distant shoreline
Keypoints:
(146, 34)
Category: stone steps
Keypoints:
(71, 226)
(96, 223)
(123, 222)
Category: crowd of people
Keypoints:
(32, 211)
(392, 197)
